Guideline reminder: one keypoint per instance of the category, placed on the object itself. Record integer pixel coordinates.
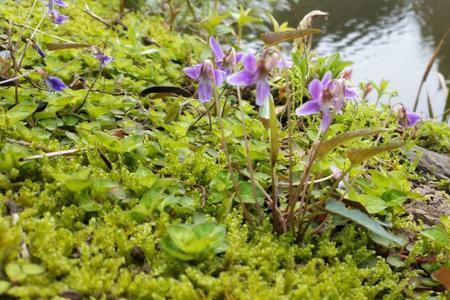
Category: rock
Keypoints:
(436, 205)
(432, 162)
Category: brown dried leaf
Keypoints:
(273, 38)
(60, 46)
(443, 276)
(306, 22)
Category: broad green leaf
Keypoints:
(181, 235)
(357, 156)
(32, 269)
(14, 272)
(87, 204)
(394, 197)
(438, 234)
(169, 246)
(4, 286)
(324, 147)
(20, 112)
(246, 190)
(77, 181)
(362, 219)
(395, 261)
(373, 204)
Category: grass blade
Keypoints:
(429, 65)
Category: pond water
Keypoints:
(386, 39)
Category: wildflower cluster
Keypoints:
(55, 16)
(328, 96)
(54, 83)
(255, 71)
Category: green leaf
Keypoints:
(14, 272)
(324, 147)
(20, 112)
(394, 197)
(357, 156)
(187, 241)
(87, 204)
(76, 182)
(438, 234)
(373, 204)
(395, 261)
(362, 219)
(181, 235)
(169, 246)
(32, 269)
(4, 286)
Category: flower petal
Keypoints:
(412, 118)
(55, 84)
(285, 63)
(249, 62)
(239, 56)
(205, 90)
(262, 91)
(193, 72)
(338, 103)
(60, 3)
(309, 108)
(326, 120)
(216, 49)
(219, 76)
(315, 89)
(350, 93)
(57, 18)
(326, 78)
(242, 78)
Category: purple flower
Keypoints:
(225, 62)
(256, 71)
(207, 78)
(337, 174)
(103, 58)
(407, 118)
(57, 18)
(60, 3)
(54, 83)
(38, 49)
(326, 94)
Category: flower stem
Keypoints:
(227, 158)
(248, 154)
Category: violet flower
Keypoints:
(337, 174)
(327, 94)
(408, 118)
(208, 78)
(38, 49)
(103, 58)
(256, 71)
(225, 62)
(54, 83)
(60, 3)
(57, 18)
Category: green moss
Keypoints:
(93, 223)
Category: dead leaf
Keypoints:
(443, 276)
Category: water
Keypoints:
(386, 39)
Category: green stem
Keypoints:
(227, 157)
